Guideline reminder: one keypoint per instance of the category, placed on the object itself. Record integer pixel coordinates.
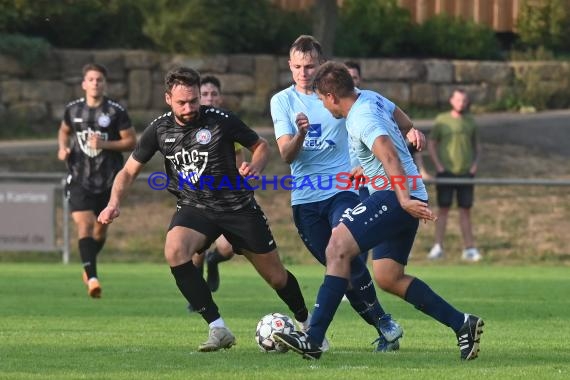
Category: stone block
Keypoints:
(72, 62)
(50, 67)
(393, 69)
(10, 67)
(424, 94)
(237, 83)
(482, 71)
(45, 91)
(241, 63)
(140, 88)
(117, 90)
(397, 92)
(114, 61)
(141, 59)
(212, 63)
(266, 75)
(30, 111)
(438, 71)
(11, 91)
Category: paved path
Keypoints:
(517, 128)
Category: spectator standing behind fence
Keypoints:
(455, 150)
(211, 95)
(93, 133)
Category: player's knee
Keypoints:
(277, 280)
(336, 251)
(176, 253)
(386, 281)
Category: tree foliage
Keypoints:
(219, 26)
(546, 24)
(76, 23)
(444, 36)
(372, 28)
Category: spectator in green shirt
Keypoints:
(454, 148)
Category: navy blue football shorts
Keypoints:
(315, 220)
(380, 222)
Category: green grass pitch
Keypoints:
(140, 329)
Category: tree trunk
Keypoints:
(324, 26)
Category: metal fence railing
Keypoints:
(58, 179)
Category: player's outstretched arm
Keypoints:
(122, 183)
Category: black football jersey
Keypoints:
(199, 157)
(95, 169)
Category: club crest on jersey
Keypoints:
(104, 121)
(203, 136)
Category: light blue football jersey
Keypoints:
(325, 153)
(372, 116)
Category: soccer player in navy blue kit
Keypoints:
(198, 142)
(315, 145)
(389, 218)
(94, 132)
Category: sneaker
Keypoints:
(468, 337)
(436, 252)
(213, 276)
(385, 346)
(304, 327)
(94, 288)
(471, 254)
(299, 342)
(389, 328)
(219, 337)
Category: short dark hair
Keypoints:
(353, 65)
(94, 67)
(306, 44)
(184, 76)
(333, 77)
(212, 80)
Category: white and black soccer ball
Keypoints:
(274, 322)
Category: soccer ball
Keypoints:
(274, 322)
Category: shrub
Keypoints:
(27, 50)
(373, 28)
(218, 26)
(76, 24)
(545, 24)
(444, 36)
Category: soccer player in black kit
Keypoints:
(198, 142)
(93, 133)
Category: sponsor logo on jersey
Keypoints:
(313, 139)
(203, 136)
(104, 121)
(170, 140)
(189, 164)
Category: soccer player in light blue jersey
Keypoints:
(389, 217)
(315, 145)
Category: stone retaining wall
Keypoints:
(136, 80)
